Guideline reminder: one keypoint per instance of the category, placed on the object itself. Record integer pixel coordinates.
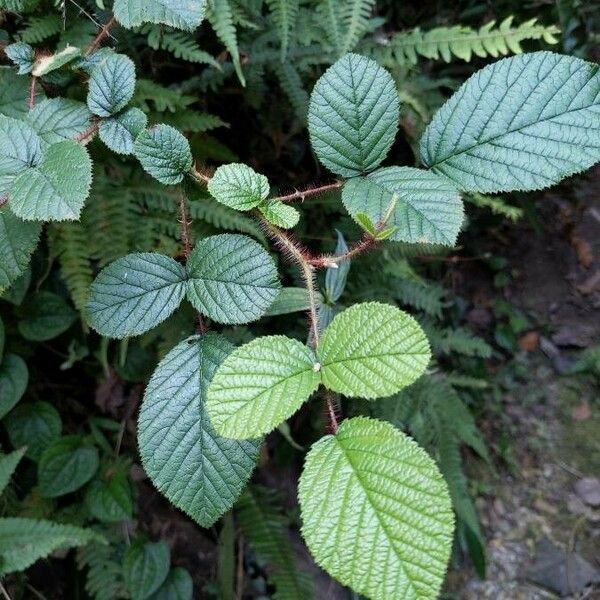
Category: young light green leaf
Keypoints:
(45, 316)
(59, 119)
(522, 123)
(177, 586)
(280, 214)
(66, 465)
(134, 294)
(111, 86)
(197, 470)
(47, 64)
(21, 54)
(182, 14)
(20, 149)
(232, 278)
(23, 541)
(119, 132)
(335, 277)
(366, 223)
(109, 498)
(15, 92)
(353, 115)
(372, 350)
(145, 568)
(35, 425)
(260, 384)
(56, 188)
(8, 464)
(164, 153)
(13, 382)
(238, 186)
(424, 207)
(376, 512)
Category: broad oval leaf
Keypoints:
(376, 512)
(134, 294)
(13, 382)
(20, 148)
(232, 278)
(66, 465)
(280, 214)
(522, 123)
(260, 384)
(22, 55)
(47, 64)
(56, 188)
(182, 14)
(372, 350)
(425, 208)
(164, 153)
(119, 132)
(353, 115)
(44, 316)
(145, 567)
(111, 86)
(238, 186)
(59, 119)
(177, 586)
(199, 471)
(109, 498)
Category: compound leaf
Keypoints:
(376, 511)
(372, 350)
(59, 119)
(182, 14)
(424, 208)
(232, 278)
(145, 567)
(353, 115)
(164, 153)
(522, 123)
(199, 471)
(13, 382)
(260, 384)
(134, 294)
(238, 186)
(111, 86)
(119, 132)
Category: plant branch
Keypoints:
(102, 35)
(312, 191)
(332, 260)
(331, 404)
(199, 176)
(88, 133)
(32, 89)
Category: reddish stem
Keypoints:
(88, 133)
(102, 35)
(312, 191)
(32, 89)
(331, 260)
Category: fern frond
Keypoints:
(152, 96)
(329, 13)
(497, 205)
(104, 577)
(285, 13)
(425, 296)
(291, 84)
(220, 16)
(457, 340)
(355, 15)
(38, 29)
(192, 121)
(180, 44)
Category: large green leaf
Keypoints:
(14, 93)
(23, 541)
(109, 498)
(8, 464)
(232, 278)
(119, 132)
(182, 14)
(353, 115)
(164, 153)
(238, 186)
(522, 123)
(134, 294)
(44, 316)
(424, 207)
(18, 240)
(67, 464)
(145, 567)
(376, 513)
(111, 86)
(197, 470)
(13, 382)
(372, 350)
(59, 119)
(56, 188)
(261, 384)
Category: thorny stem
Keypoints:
(331, 260)
(32, 89)
(199, 177)
(88, 133)
(330, 403)
(313, 191)
(102, 35)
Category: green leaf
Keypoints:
(47, 64)
(522, 123)
(66, 465)
(18, 240)
(21, 54)
(164, 153)
(111, 86)
(424, 207)
(134, 294)
(23, 541)
(59, 119)
(56, 188)
(2, 339)
(366, 223)
(13, 382)
(376, 513)
(45, 316)
(232, 278)
(280, 214)
(14, 93)
(177, 586)
(353, 115)
(261, 384)
(197, 470)
(186, 14)
(238, 186)
(145, 568)
(35, 425)
(119, 132)
(289, 300)
(372, 350)
(335, 277)
(109, 498)
(8, 464)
